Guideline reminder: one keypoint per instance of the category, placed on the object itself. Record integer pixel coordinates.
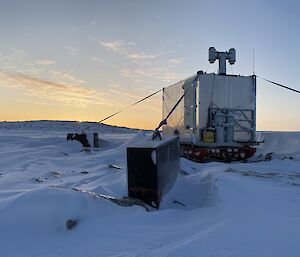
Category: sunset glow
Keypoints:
(77, 60)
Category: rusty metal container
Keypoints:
(152, 168)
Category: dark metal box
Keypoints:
(86, 139)
(152, 168)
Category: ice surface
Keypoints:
(214, 209)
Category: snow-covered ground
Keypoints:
(236, 209)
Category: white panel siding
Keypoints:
(223, 91)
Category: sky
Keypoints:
(83, 60)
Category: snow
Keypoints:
(214, 209)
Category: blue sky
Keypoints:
(82, 60)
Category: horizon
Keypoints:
(134, 128)
(77, 60)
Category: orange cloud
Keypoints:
(45, 62)
(61, 92)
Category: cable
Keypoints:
(127, 107)
(164, 121)
(280, 85)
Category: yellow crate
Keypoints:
(208, 136)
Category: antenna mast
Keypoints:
(214, 55)
(253, 60)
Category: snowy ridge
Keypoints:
(70, 126)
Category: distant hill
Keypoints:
(70, 126)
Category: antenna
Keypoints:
(214, 55)
(253, 60)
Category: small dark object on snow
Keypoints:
(286, 157)
(86, 139)
(96, 140)
(84, 172)
(113, 166)
(70, 224)
(39, 180)
(82, 138)
(125, 201)
(268, 157)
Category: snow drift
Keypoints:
(214, 209)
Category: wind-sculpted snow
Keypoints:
(214, 209)
(283, 144)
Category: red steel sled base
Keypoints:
(222, 153)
